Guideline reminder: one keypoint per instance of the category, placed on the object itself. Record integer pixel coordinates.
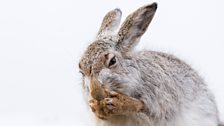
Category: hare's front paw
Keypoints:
(105, 107)
(118, 104)
(115, 104)
(112, 105)
(93, 104)
(97, 109)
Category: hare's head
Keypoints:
(108, 57)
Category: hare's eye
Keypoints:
(112, 61)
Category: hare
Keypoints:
(124, 87)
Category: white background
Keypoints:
(41, 42)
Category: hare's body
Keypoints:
(168, 90)
(173, 92)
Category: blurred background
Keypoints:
(41, 42)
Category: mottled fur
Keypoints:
(172, 92)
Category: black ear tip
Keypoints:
(118, 10)
(153, 5)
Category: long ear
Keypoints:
(135, 26)
(110, 22)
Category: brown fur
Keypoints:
(105, 103)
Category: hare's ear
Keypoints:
(110, 22)
(135, 26)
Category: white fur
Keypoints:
(194, 117)
(87, 81)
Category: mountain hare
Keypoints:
(146, 88)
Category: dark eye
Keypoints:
(112, 61)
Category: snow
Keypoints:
(41, 42)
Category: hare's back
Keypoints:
(196, 101)
(173, 70)
(165, 61)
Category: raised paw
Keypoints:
(93, 104)
(113, 105)
(109, 106)
(121, 104)
(97, 109)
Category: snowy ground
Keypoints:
(41, 42)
